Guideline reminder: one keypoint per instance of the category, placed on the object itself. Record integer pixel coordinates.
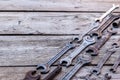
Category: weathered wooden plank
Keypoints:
(57, 5)
(31, 50)
(13, 73)
(46, 23)
(18, 73)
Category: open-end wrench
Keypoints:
(54, 73)
(94, 49)
(82, 60)
(96, 70)
(116, 64)
(106, 77)
(97, 21)
(98, 32)
(44, 68)
(107, 13)
(32, 75)
(87, 40)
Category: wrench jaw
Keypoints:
(89, 39)
(107, 77)
(107, 13)
(96, 71)
(92, 50)
(32, 75)
(97, 34)
(116, 24)
(77, 39)
(43, 68)
(85, 58)
(111, 30)
(113, 70)
(115, 47)
(70, 45)
(66, 62)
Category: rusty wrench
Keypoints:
(44, 68)
(87, 40)
(94, 49)
(82, 60)
(96, 70)
(116, 64)
(32, 75)
(107, 13)
(54, 73)
(98, 32)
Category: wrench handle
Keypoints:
(104, 26)
(96, 47)
(54, 73)
(104, 59)
(107, 13)
(31, 75)
(72, 72)
(116, 64)
(62, 52)
(100, 64)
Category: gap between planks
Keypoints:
(32, 50)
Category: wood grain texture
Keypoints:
(46, 23)
(55, 22)
(57, 5)
(33, 50)
(18, 73)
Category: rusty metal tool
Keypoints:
(87, 40)
(107, 13)
(94, 49)
(98, 32)
(54, 73)
(97, 69)
(44, 68)
(32, 75)
(98, 21)
(82, 60)
(115, 66)
(106, 77)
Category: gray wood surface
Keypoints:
(46, 23)
(57, 5)
(33, 31)
(32, 50)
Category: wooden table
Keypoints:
(33, 31)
